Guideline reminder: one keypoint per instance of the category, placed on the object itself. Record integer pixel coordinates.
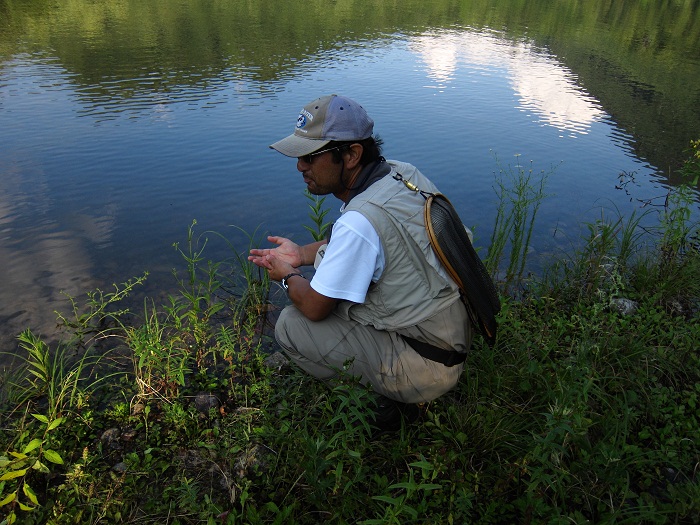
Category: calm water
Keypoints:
(121, 123)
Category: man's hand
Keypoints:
(284, 260)
(287, 252)
(277, 268)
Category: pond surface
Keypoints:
(122, 121)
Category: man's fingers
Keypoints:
(276, 240)
(260, 261)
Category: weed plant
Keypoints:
(582, 412)
(317, 214)
(520, 193)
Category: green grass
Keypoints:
(578, 414)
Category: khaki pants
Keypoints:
(380, 359)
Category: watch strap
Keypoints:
(289, 276)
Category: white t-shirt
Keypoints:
(353, 260)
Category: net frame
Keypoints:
(453, 247)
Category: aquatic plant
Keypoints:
(520, 192)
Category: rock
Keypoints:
(128, 434)
(204, 402)
(249, 461)
(276, 360)
(219, 478)
(193, 460)
(624, 306)
(110, 438)
(201, 465)
(676, 308)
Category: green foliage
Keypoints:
(678, 233)
(15, 470)
(197, 304)
(691, 166)
(61, 378)
(99, 313)
(319, 229)
(520, 193)
(160, 357)
(603, 265)
(408, 500)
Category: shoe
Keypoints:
(388, 414)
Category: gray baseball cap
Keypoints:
(332, 117)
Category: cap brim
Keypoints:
(295, 146)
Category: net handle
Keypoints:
(429, 197)
(433, 239)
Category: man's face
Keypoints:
(321, 174)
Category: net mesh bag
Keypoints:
(451, 243)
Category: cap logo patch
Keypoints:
(302, 119)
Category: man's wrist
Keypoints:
(308, 254)
(289, 276)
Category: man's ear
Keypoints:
(353, 155)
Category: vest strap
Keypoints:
(433, 353)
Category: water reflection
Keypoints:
(548, 89)
(544, 87)
(440, 54)
(44, 255)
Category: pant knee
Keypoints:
(285, 326)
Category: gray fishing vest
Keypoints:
(410, 290)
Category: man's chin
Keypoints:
(315, 191)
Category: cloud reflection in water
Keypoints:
(543, 86)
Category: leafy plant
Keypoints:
(691, 167)
(198, 289)
(59, 376)
(161, 358)
(520, 193)
(93, 318)
(399, 506)
(15, 470)
(678, 233)
(319, 228)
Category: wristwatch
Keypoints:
(287, 277)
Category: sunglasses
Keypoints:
(310, 157)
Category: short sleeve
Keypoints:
(353, 259)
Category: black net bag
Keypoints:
(451, 243)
